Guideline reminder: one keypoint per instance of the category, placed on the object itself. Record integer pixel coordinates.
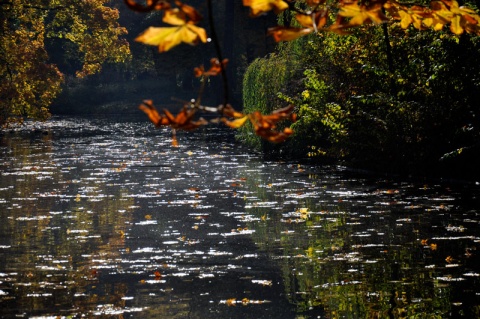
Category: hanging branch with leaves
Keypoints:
(183, 29)
(312, 16)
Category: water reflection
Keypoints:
(106, 219)
(355, 249)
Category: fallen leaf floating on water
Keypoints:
(232, 302)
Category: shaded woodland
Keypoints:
(383, 96)
(168, 78)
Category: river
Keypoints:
(104, 218)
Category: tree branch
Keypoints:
(219, 52)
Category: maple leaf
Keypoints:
(257, 7)
(361, 14)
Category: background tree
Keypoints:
(409, 106)
(82, 34)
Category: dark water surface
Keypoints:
(104, 218)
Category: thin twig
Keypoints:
(219, 52)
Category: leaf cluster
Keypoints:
(30, 78)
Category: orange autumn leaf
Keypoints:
(281, 33)
(152, 113)
(462, 18)
(310, 23)
(313, 3)
(413, 15)
(215, 68)
(257, 7)
(229, 111)
(183, 120)
(315, 20)
(175, 17)
(265, 125)
(231, 302)
(193, 15)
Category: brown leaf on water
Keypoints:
(231, 302)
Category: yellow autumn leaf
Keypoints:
(411, 15)
(258, 7)
(462, 18)
(174, 17)
(168, 37)
(441, 16)
(315, 20)
(305, 20)
(235, 123)
(362, 14)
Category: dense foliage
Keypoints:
(81, 35)
(411, 104)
